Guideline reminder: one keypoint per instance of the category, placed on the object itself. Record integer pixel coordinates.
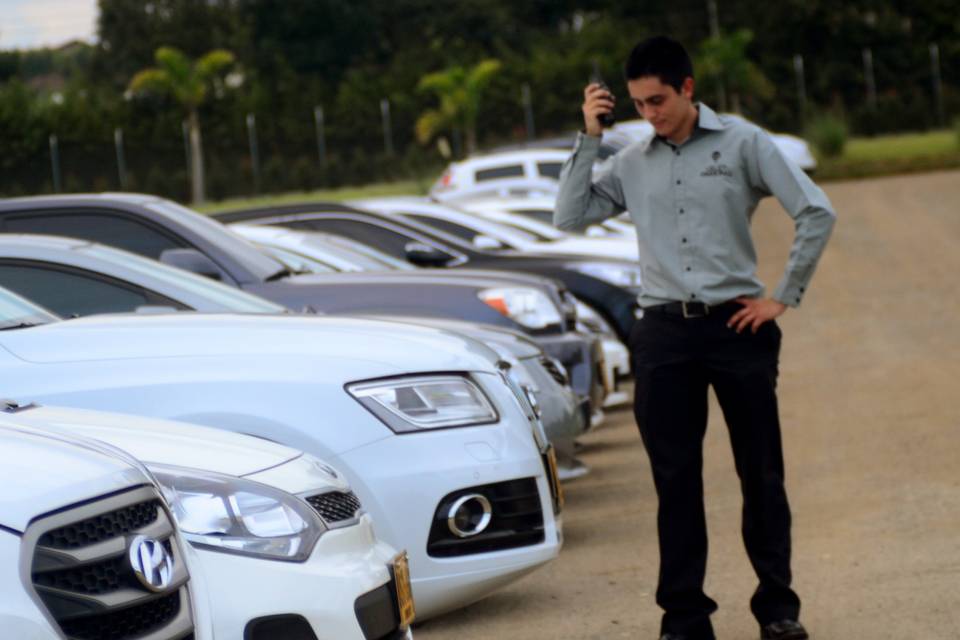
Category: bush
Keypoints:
(956, 129)
(828, 134)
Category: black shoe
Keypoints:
(673, 636)
(783, 630)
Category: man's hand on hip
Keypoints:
(755, 312)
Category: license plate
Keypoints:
(401, 579)
(555, 477)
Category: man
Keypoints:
(691, 191)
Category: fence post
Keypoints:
(121, 160)
(55, 162)
(318, 122)
(387, 128)
(801, 89)
(527, 100)
(185, 130)
(254, 151)
(937, 82)
(870, 79)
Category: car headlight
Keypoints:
(529, 307)
(620, 275)
(235, 515)
(593, 320)
(414, 404)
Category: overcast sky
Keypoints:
(44, 23)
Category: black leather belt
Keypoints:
(689, 309)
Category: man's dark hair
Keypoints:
(662, 57)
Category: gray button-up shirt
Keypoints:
(692, 205)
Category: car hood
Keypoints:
(513, 342)
(476, 278)
(43, 471)
(165, 441)
(354, 347)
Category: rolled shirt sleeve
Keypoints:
(806, 203)
(586, 197)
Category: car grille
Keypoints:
(554, 370)
(335, 506)
(517, 520)
(81, 571)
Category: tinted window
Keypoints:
(509, 171)
(387, 240)
(445, 225)
(543, 215)
(112, 230)
(550, 169)
(71, 293)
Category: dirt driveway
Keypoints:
(870, 402)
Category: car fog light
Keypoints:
(469, 515)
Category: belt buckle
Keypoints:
(687, 314)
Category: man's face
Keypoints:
(660, 104)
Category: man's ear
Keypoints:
(686, 89)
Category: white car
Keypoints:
(507, 173)
(279, 546)
(77, 520)
(439, 445)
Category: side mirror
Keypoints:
(483, 242)
(191, 260)
(424, 255)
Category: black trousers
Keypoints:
(675, 359)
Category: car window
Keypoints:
(543, 215)
(297, 262)
(445, 225)
(550, 169)
(508, 171)
(105, 228)
(215, 293)
(389, 241)
(72, 292)
(359, 251)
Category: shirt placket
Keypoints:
(684, 225)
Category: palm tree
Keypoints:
(188, 82)
(459, 90)
(723, 61)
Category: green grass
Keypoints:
(891, 155)
(407, 187)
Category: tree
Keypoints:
(188, 82)
(723, 60)
(459, 90)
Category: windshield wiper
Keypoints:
(20, 325)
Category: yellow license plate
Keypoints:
(555, 477)
(401, 579)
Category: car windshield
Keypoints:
(260, 264)
(351, 249)
(228, 297)
(17, 313)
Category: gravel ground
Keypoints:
(868, 389)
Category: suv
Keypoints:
(88, 547)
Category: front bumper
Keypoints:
(401, 481)
(235, 593)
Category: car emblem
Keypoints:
(151, 563)
(716, 156)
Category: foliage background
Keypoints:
(347, 56)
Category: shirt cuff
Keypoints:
(586, 142)
(789, 293)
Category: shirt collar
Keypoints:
(706, 119)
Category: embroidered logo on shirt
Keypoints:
(717, 169)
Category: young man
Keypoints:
(691, 191)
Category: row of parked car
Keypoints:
(314, 421)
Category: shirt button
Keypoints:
(684, 241)
(681, 211)
(678, 182)
(688, 268)
(802, 289)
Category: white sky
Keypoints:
(27, 24)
